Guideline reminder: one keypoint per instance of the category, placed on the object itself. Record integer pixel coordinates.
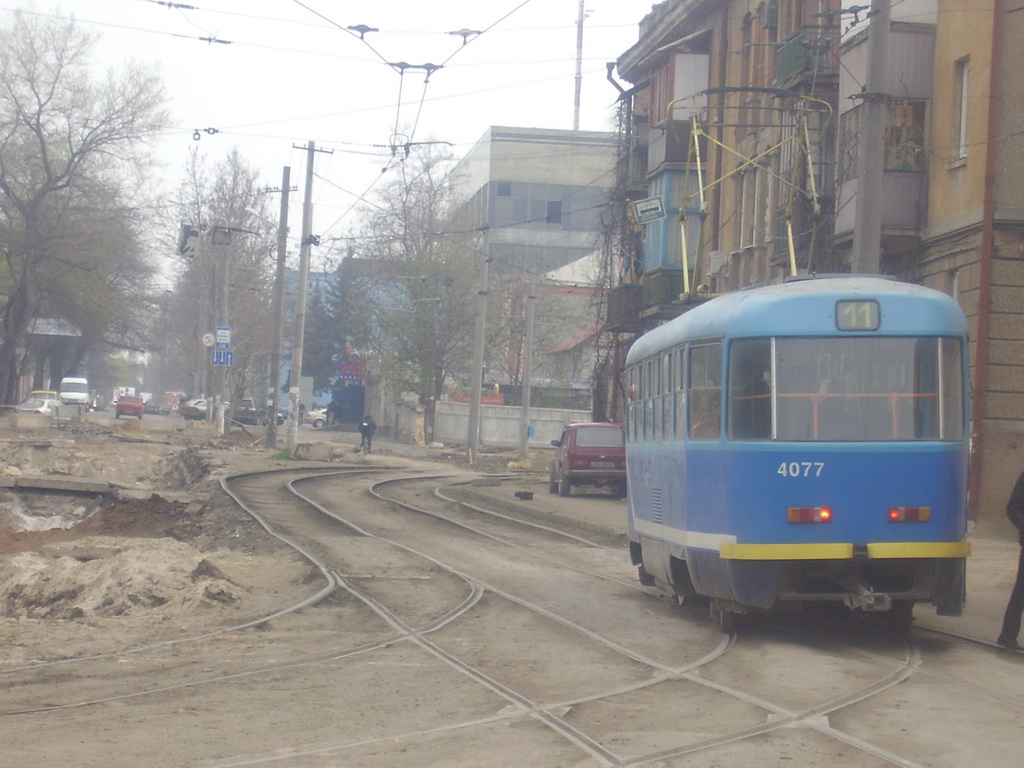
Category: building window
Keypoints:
(751, 205)
(963, 83)
(504, 188)
(554, 214)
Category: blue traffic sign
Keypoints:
(221, 356)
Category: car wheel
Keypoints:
(552, 484)
(318, 423)
(564, 486)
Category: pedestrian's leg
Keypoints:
(1014, 609)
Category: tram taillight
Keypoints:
(910, 514)
(809, 514)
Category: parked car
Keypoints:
(48, 406)
(591, 453)
(247, 413)
(152, 407)
(250, 414)
(128, 405)
(317, 417)
(194, 410)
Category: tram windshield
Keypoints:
(846, 389)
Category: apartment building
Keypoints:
(741, 161)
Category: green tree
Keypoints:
(323, 344)
(71, 149)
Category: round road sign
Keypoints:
(208, 339)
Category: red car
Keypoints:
(589, 454)
(128, 405)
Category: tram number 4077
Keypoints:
(801, 468)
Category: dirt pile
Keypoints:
(172, 554)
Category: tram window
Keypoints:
(648, 400)
(705, 391)
(656, 405)
(632, 393)
(865, 389)
(666, 397)
(750, 399)
(951, 366)
(680, 395)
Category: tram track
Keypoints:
(783, 718)
(411, 572)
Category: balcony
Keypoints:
(624, 304)
(903, 204)
(803, 52)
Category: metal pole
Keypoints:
(277, 309)
(524, 417)
(473, 436)
(224, 320)
(203, 321)
(300, 311)
(579, 67)
(867, 230)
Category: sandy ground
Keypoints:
(172, 555)
(169, 553)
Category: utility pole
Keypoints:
(867, 229)
(300, 304)
(277, 309)
(223, 237)
(524, 417)
(473, 436)
(579, 67)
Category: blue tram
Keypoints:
(799, 442)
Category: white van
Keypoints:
(74, 391)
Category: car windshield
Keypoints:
(600, 437)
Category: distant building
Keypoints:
(537, 201)
(537, 196)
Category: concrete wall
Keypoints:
(499, 424)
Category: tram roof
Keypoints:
(807, 307)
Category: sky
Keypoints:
(269, 76)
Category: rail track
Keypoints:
(436, 632)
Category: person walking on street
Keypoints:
(366, 429)
(1014, 609)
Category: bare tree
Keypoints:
(69, 148)
(420, 301)
(228, 281)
